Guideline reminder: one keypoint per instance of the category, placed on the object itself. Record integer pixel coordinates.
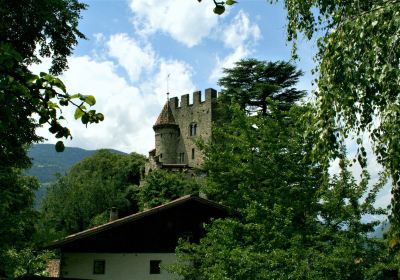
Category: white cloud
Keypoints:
(130, 111)
(129, 115)
(240, 31)
(228, 61)
(240, 35)
(130, 55)
(186, 21)
(99, 37)
(180, 79)
(179, 82)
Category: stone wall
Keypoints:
(166, 139)
(201, 114)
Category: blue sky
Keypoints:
(134, 44)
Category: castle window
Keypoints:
(193, 153)
(193, 129)
(155, 267)
(181, 157)
(160, 155)
(99, 267)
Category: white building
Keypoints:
(135, 246)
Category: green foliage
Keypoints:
(219, 8)
(85, 194)
(50, 25)
(161, 186)
(254, 155)
(23, 95)
(17, 215)
(292, 225)
(250, 82)
(28, 101)
(25, 262)
(358, 79)
(46, 162)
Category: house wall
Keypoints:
(119, 266)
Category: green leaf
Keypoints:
(60, 147)
(43, 119)
(230, 2)
(90, 100)
(85, 119)
(79, 112)
(219, 9)
(100, 116)
(58, 83)
(52, 104)
(77, 95)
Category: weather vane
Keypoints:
(168, 86)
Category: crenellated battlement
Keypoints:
(210, 96)
(178, 128)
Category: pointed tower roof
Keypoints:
(166, 117)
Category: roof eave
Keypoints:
(60, 243)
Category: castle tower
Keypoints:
(178, 129)
(166, 136)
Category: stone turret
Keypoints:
(166, 136)
(178, 128)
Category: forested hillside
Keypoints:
(47, 163)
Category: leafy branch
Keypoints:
(42, 95)
(220, 6)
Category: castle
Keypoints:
(177, 129)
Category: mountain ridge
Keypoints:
(47, 163)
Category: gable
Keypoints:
(154, 230)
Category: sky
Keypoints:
(133, 45)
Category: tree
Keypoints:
(28, 101)
(263, 159)
(26, 262)
(24, 95)
(86, 193)
(290, 225)
(253, 155)
(162, 186)
(51, 26)
(358, 79)
(251, 81)
(16, 214)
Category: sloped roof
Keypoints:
(138, 218)
(166, 117)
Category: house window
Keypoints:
(99, 267)
(193, 129)
(193, 153)
(181, 157)
(155, 267)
